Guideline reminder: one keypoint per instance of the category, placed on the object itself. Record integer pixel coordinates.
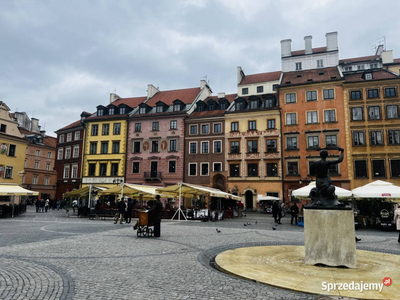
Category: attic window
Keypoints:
(298, 76)
(142, 110)
(159, 108)
(368, 76)
(321, 73)
(309, 79)
(177, 107)
(100, 112)
(288, 82)
(333, 77)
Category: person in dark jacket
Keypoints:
(121, 211)
(294, 210)
(37, 204)
(275, 211)
(157, 216)
(128, 215)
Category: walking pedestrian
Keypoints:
(157, 216)
(275, 211)
(46, 205)
(128, 216)
(42, 203)
(397, 219)
(37, 204)
(121, 211)
(294, 210)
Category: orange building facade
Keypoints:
(313, 118)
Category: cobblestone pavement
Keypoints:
(50, 256)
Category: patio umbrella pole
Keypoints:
(90, 195)
(179, 208)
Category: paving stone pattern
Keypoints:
(49, 256)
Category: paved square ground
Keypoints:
(50, 256)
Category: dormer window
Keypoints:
(238, 106)
(368, 76)
(100, 112)
(177, 107)
(253, 104)
(111, 111)
(159, 109)
(222, 105)
(211, 106)
(142, 110)
(122, 110)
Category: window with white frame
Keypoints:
(37, 152)
(204, 169)
(66, 171)
(393, 137)
(177, 107)
(330, 116)
(173, 124)
(48, 167)
(36, 165)
(48, 154)
(217, 146)
(392, 111)
(61, 138)
(35, 180)
(313, 141)
(320, 63)
(331, 141)
(193, 129)
(376, 137)
(68, 153)
(217, 128)
(358, 138)
(311, 95)
(193, 148)
(204, 147)
(76, 151)
(329, 94)
(205, 128)
(291, 143)
(312, 117)
(217, 167)
(374, 112)
(69, 137)
(117, 128)
(60, 153)
(291, 98)
(46, 180)
(291, 119)
(357, 113)
(192, 169)
(77, 135)
(298, 66)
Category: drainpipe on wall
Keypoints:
(281, 138)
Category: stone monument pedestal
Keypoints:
(329, 237)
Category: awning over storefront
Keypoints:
(83, 191)
(305, 191)
(187, 189)
(133, 190)
(13, 189)
(377, 189)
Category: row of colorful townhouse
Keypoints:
(260, 141)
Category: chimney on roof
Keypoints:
(203, 83)
(240, 75)
(151, 91)
(331, 41)
(307, 41)
(113, 97)
(379, 50)
(387, 57)
(43, 133)
(35, 125)
(286, 48)
(221, 95)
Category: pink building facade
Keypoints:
(156, 131)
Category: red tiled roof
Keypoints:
(72, 125)
(230, 98)
(396, 60)
(310, 76)
(207, 114)
(50, 141)
(187, 96)
(261, 77)
(314, 50)
(358, 59)
(131, 102)
(377, 75)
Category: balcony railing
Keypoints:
(152, 176)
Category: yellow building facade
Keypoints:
(253, 151)
(373, 127)
(13, 147)
(104, 151)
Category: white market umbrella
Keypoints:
(305, 191)
(263, 198)
(377, 189)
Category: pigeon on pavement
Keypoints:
(217, 230)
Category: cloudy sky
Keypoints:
(59, 58)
